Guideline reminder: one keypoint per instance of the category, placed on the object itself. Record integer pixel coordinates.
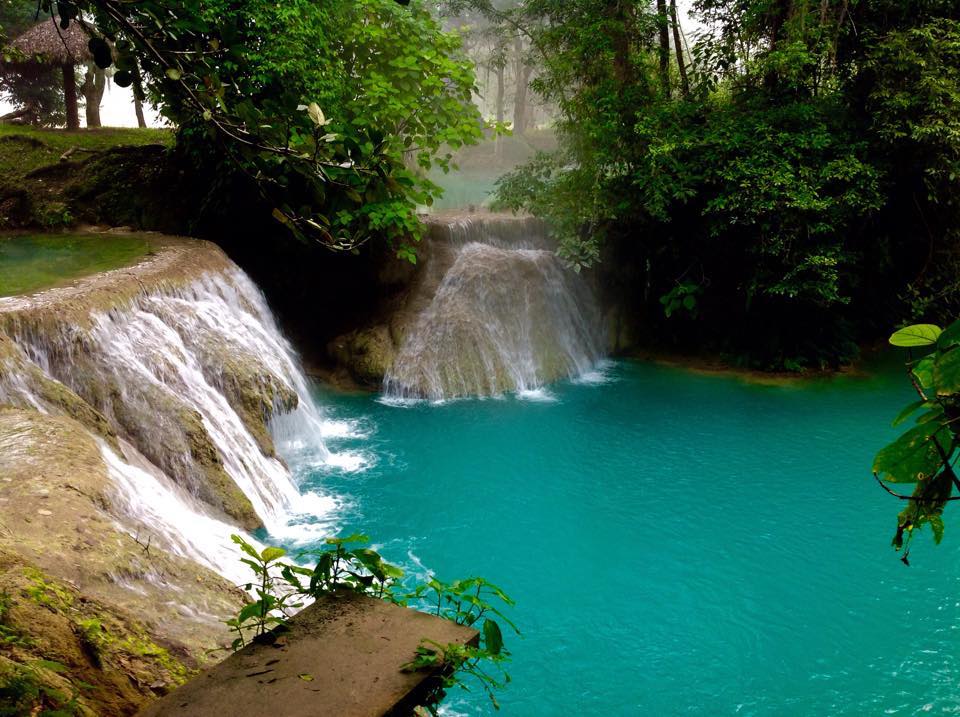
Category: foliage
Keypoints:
(466, 602)
(808, 165)
(319, 106)
(347, 564)
(33, 89)
(272, 604)
(924, 454)
(24, 692)
(10, 636)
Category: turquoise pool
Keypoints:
(677, 544)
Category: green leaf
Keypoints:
(950, 336)
(305, 676)
(245, 547)
(492, 637)
(249, 610)
(923, 371)
(173, 73)
(907, 412)
(946, 372)
(269, 554)
(912, 455)
(916, 335)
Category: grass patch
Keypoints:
(33, 262)
(24, 149)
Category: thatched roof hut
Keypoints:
(48, 44)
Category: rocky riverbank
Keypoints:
(99, 607)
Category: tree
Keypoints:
(805, 167)
(35, 91)
(319, 106)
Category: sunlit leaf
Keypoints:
(916, 335)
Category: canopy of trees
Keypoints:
(328, 109)
(781, 187)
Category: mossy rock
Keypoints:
(368, 354)
(66, 567)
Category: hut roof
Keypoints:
(47, 43)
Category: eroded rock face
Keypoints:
(368, 353)
(154, 354)
(129, 618)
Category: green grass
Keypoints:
(29, 263)
(24, 149)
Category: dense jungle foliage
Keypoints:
(777, 185)
(782, 190)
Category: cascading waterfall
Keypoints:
(190, 377)
(507, 315)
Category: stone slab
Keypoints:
(341, 658)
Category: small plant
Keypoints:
(471, 602)
(46, 593)
(347, 564)
(358, 569)
(256, 619)
(925, 453)
(25, 693)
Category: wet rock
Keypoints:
(60, 575)
(367, 354)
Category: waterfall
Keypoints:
(189, 376)
(505, 315)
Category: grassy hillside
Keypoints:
(25, 149)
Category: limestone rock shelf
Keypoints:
(341, 658)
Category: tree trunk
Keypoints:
(138, 96)
(501, 69)
(621, 29)
(94, 84)
(70, 97)
(678, 46)
(522, 72)
(664, 25)
(500, 91)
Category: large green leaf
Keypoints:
(907, 412)
(916, 335)
(912, 455)
(923, 371)
(492, 637)
(271, 553)
(950, 336)
(946, 372)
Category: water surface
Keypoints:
(677, 544)
(32, 262)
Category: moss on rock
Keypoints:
(367, 354)
(66, 567)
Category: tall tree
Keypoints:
(663, 24)
(678, 47)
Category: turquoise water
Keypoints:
(677, 544)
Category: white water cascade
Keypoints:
(506, 315)
(185, 376)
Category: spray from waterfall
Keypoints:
(506, 315)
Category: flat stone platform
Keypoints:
(341, 658)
